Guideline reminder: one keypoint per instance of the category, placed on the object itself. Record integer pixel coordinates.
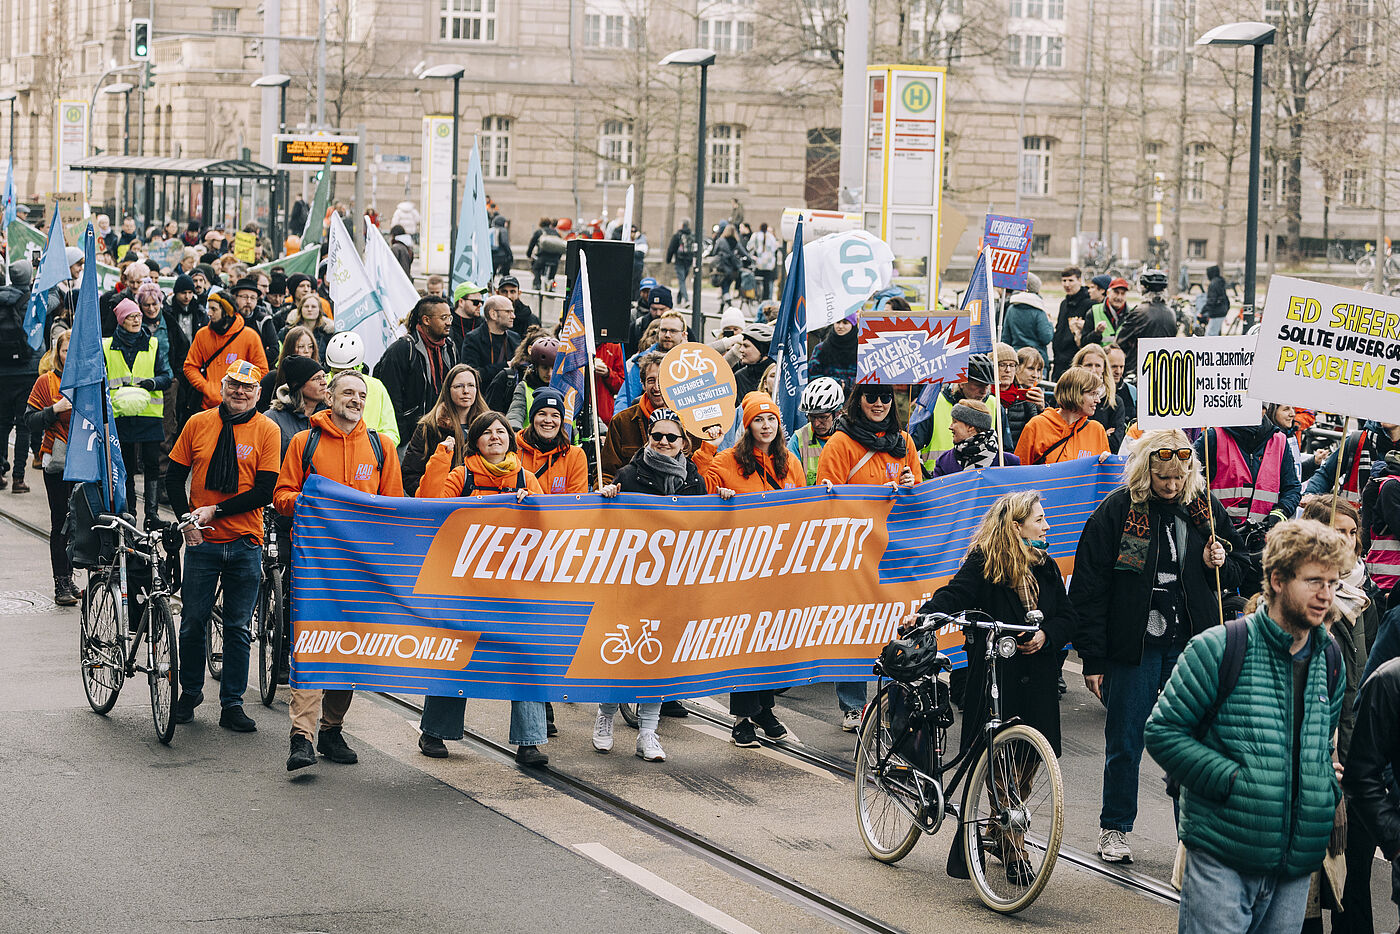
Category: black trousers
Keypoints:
(14, 399)
(750, 703)
(58, 490)
(148, 454)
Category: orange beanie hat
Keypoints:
(755, 404)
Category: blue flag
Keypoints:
(573, 366)
(978, 303)
(53, 270)
(92, 433)
(790, 340)
(11, 208)
(473, 260)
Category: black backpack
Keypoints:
(686, 248)
(315, 438)
(14, 342)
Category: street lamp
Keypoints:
(454, 72)
(280, 82)
(123, 88)
(10, 96)
(703, 58)
(1257, 35)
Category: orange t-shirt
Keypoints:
(842, 452)
(259, 445)
(44, 394)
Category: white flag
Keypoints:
(396, 292)
(357, 306)
(842, 271)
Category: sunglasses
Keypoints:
(885, 396)
(666, 436)
(1166, 454)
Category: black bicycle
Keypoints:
(1013, 802)
(108, 646)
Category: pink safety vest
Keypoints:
(1383, 560)
(1243, 496)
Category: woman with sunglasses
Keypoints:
(1066, 431)
(659, 468)
(1145, 581)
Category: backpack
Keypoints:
(1232, 663)
(551, 244)
(314, 439)
(14, 342)
(685, 250)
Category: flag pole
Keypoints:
(1337, 480)
(586, 313)
(1210, 513)
(996, 372)
(593, 416)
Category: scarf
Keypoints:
(508, 467)
(882, 440)
(1351, 600)
(1014, 394)
(978, 451)
(671, 470)
(533, 439)
(222, 475)
(840, 349)
(130, 344)
(1028, 588)
(434, 348)
(1132, 546)
(221, 326)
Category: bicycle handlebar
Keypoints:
(110, 522)
(939, 620)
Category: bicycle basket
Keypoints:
(88, 547)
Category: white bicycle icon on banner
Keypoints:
(619, 645)
(690, 363)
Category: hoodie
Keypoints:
(344, 458)
(1086, 438)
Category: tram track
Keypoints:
(765, 878)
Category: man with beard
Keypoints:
(822, 400)
(1253, 759)
(1101, 323)
(340, 447)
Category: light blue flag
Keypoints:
(11, 208)
(473, 260)
(790, 340)
(91, 449)
(53, 270)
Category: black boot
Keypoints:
(64, 593)
(331, 744)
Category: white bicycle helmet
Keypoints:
(822, 394)
(345, 351)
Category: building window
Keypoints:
(1035, 165)
(608, 30)
(225, 19)
(1357, 32)
(1196, 249)
(615, 150)
(725, 152)
(470, 20)
(1037, 9)
(1040, 244)
(495, 147)
(1169, 18)
(1354, 193)
(1196, 172)
(1035, 51)
(727, 35)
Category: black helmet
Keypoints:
(980, 369)
(913, 657)
(1153, 280)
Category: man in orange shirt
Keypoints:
(230, 456)
(339, 446)
(216, 346)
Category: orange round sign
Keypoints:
(699, 385)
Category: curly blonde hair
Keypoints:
(1137, 475)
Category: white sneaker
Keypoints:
(1113, 847)
(603, 733)
(850, 721)
(648, 747)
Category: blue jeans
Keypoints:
(682, 273)
(648, 715)
(1216, 898)
(1131, 690)
(1214, 326)
(239, 564)
(443, 717)
(850, 695)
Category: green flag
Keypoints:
(21, 235)
(302, 261)
(319, 203)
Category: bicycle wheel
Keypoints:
(1014, 813)
(1366, 264)
(629, 715)
(887, 795)
(100, 645)
(214, 636)
(268, 626)
(164, 674)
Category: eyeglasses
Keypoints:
(473, 301)
(1316, 584)
(240, 389)
(666, 436)
(1166, 454)
(885, 396)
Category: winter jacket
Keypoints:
(723, 473)
(627, 433)
(441, 479)
(21, 360)
(1238, 801)
(562, 470)
(1027, 326)
(1152, 318)
(947, 462)
(1375, 746)
(521, 397)
(829, 361)
(1114, 421)
(1029, 688)
(1355, 464)
(842, 453)
(606, 387)
(344, 458)
(749, 376)
(213, 353)
(636, 477)
(1113, 602)
(1018, 416)
(422, 445)
(1217, 298)
(403, 254)
(1042, 433)
(488, 353)
(1065, 346)
(729, 256)
(406, 373)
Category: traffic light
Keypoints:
(140, 40)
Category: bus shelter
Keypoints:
(207, 192)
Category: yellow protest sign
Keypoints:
(245, 246)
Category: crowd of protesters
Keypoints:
(231, 385)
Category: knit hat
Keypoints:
(295, 280)
(732, 317)
(973, 412)
(546, 398)
(126, 308)
(74, 254)
(1102, 282)
(662, 415)
(1032, 283)
(661, 295)
(755, 404)
(297, 371)
(183, 283)
(149, 288)
(277, 283)
(21, 273)
(760, 335)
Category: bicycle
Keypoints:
(107, 646)
(619, 645)
(690, 363)
(1013, 800)
(268, 624)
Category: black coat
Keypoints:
(1113, 604)
(407, 376)
(1063, 345)
(1029, 683)
(637, 477)
(488, 353)
(1375, 746)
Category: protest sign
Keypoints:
(699, 386)
(574, 597)
(1195, 382)
(245, 246)
(899, 350)
(1329, 348)
(842, 271)
(1010, 241)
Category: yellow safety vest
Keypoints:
(119, 375)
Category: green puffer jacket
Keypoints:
(1237, 798)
